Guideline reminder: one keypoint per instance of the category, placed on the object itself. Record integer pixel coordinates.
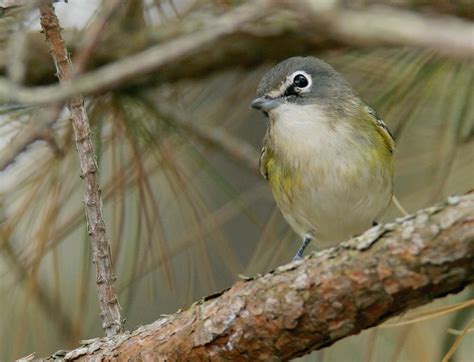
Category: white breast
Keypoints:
(339, 195)
(307, 134)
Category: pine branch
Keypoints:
(242, 35)
(313, 303)
(110, 309)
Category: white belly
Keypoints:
(341, 191)
(333, 212)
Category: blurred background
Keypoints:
(185, 207)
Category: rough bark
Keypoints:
(311, 304)
(110, 309)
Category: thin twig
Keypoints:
(36, 129)
(108, 301)
(39, 128)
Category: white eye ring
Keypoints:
(306, 76)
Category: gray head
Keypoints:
(301, 80)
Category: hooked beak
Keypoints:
(265, 103)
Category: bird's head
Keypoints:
(300, 81)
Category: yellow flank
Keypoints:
(356, 171)
(282, 180)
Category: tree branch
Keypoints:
(311, 304)
(383, 25)
(236, 38)
(110, 309)
(112, 75)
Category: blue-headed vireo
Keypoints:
(327, 156)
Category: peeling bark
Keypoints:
(311, 304)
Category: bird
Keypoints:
(327, 155)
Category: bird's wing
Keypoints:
(263, 160)
(382, 128)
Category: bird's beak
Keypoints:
(265, 103)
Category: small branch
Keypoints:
(313, 303)
(110, 309)
(39, 128)
(35, 130)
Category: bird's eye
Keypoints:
(300, 81)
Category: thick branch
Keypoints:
(311, 304)
(110, 309)
(237, 38)
(384, 25)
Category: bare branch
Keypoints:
(110, 309)
(311, 304)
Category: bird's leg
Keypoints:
(299, 253)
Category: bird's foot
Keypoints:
(297, 257)
(299, 253)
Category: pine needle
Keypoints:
(399, 206)
(457, 332)
(431, 314)
(457, 342)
